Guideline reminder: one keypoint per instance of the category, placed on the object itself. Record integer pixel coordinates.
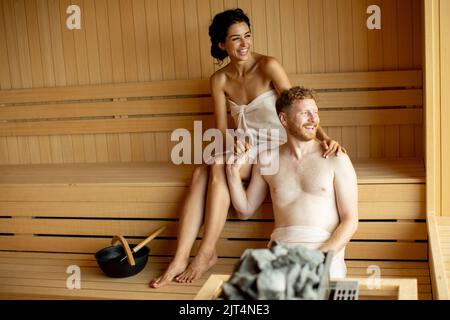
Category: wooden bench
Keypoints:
(439, 247)
(81, 164)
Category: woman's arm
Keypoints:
(220, 101)
(277, 75)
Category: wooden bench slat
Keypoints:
(232, 229)
(164, 123)
(367, 193)
(373, 171)
(226, 248)
(86, 110)
(381, 79)
(367, 210)
(92, 294)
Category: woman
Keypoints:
(250, 81)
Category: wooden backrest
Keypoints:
(374, 114)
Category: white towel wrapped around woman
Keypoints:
(312, 238)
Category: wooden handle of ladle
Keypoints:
(125, 245)
(148, 239)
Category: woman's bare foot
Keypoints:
(173, 270)
(201, 263)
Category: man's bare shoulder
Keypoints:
(266, 159)
(341, 163)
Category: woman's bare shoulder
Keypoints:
(269, 64)
(218, 79)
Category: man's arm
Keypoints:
(246, 202)
(346, 190)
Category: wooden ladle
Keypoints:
(129, 252)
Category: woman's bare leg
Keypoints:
(189, 225)
(217, 205)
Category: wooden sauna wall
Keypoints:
(145, 40)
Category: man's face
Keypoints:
(303, 120)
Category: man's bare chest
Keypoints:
(294, 179)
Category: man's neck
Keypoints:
(299, 148)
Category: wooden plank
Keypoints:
(405, 33)
(56, 152)
(113, 147)
(78, 149)
(204, 20)
(192, 36)
(101, 147)
(360, 35)
(331, 36)
(56, 25)
(34, 44)
(128, 40)
(179, 34)
(90, 148)
(115, 31)
(303, 49)
(327, 100)
(81, 49)
(346, 41)
(375, 43)
(12, 45)
(349, 141)
(158, 124)
(142, 47)
(275, 47)
(236, 230)
(104, 41)
(89, 21)
(167, 43)
(286, 34)
(35, 153)
(45, 43)
(89, 294)
(168, 189)
(377, 142)
(418, 30)
(439, 278)
(444, 103)
(3, 151)
(259, 27)
(68, 46)
(24, 150)
(367, 210)
(316, 32)
(22, 43)
(369, 172)
(389, 31)
(5, 77)
(383, 79)
(225, 248)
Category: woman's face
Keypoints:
(238, 42)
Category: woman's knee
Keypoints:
(200, 174)
(217, 174)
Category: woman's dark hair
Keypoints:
(218, 30)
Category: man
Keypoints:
(315, 200)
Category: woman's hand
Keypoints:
(332, 147)
(239, 157)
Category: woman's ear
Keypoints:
(222, 46)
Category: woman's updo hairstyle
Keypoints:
(218, 30)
